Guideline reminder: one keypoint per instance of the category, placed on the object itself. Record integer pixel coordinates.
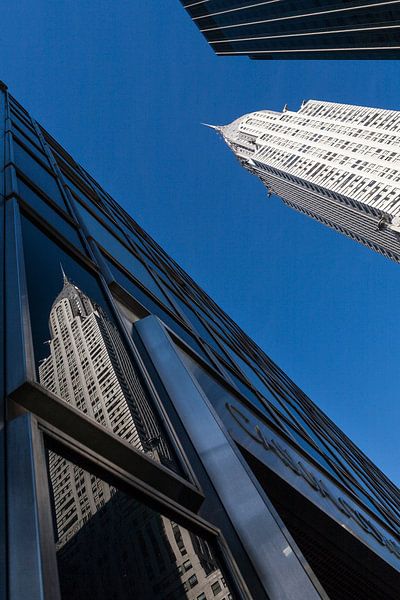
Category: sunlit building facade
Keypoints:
(152, 449)
(299, 29)
(337, 163)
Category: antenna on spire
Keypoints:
(65, 278)
(216, 127)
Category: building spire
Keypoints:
(65, 278)
(216, 127)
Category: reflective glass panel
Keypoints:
(247, 370)
(36, 173)
(80, 354)
(217, 394)
(21, 112)
(23, 126)
(155, 309)
(111, 546)
(49, 214)
(194, 320)
(81, 193)
(121, 254)
(27, 192)
(24, 157)
(34, 148)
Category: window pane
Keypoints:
(80, 354)
(121, 254)
(21, 112)
(155, 309)
(194, 320)
(36, 173)
(27, 190)
(217, 394)
(77, 190)
(111, 546)
(36, 150)
(48, 214)
(21, 124)
(22, 156)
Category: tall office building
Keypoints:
(152, 449)
(336, 163)
(289, 29)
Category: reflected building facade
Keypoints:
(153, 450)
(336, 163)
(299, 29)
(89, 367)
(134, 551)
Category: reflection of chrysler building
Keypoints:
(337, 163)
(89, 367)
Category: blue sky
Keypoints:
(124, 87)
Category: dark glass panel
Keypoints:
(111, 546)
(154, 308)
(64, 161)
(49, 214)
(132, 235)
(36, 173)
(217, 393)
(36, 150)
(158, 267)
(121, 253)
(27, 190)
(99, 212)
(25, 128)
(253, 378)
(19, 110)
(84, 194)
(194, 320)
(80, 354)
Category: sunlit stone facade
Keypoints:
(337, 163)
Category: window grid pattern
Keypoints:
(334, 162)
(299, 28)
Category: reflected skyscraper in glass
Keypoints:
(89, 367)
(337, 163)
(142, 554)
(152, 449)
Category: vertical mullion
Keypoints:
(32, 567)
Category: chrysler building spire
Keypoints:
(337, 163)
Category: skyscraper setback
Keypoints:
(337, 163)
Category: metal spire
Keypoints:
(216, 127)
(65, 278)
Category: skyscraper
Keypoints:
(299, 30)
(336, 163)
(152, 449)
